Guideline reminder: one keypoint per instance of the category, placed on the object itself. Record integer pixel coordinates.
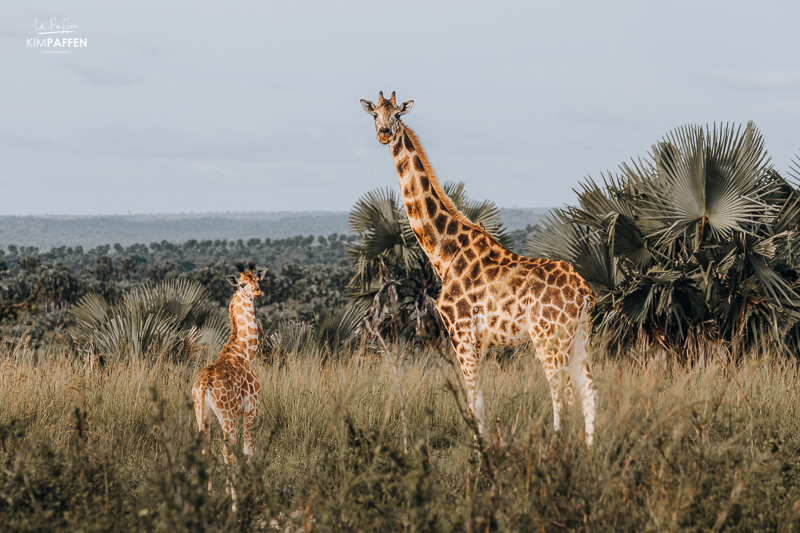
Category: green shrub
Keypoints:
(172, 317)
(692, 252)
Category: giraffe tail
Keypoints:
(577, 352)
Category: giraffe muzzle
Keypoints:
(384, 135)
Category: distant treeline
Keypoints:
(91, 231)
(307, 274)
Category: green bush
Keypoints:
(173, 318)
(692, 252)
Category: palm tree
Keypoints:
(393, 280)
(176, 317)
(691, 251)
(329, 332)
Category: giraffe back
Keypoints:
(507, 298)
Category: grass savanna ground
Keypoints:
(695, 449)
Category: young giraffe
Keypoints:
(491, 296)
(228, 385)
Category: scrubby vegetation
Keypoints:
(305, 287)
(37, 289)
(677, 449)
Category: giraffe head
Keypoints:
(387, 116)
(247, 282)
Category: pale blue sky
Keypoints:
(254, 106)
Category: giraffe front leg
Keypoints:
(554, 375)
(467, 354)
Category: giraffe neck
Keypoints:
(434, 219)
(244, 328)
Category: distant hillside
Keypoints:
(89, 231)
(521, 218)
(46, 232)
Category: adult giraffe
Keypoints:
(491, 296)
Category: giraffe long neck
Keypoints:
(436, 222)
(244, 328)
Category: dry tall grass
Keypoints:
(685, 448)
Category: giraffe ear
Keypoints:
(405, 107)
(233, 280)
(369, 107)
(262, 273)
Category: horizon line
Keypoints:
(215, 213)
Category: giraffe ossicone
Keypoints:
(228, 387)
(491, 296)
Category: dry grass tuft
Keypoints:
(678, 448)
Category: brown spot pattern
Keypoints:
(408, 143)
(441, 223)
(402, 166)
(486, 287)
(430, 205)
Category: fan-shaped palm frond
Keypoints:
(92, 310)
(215, 331)
(694, 246)
(707, 184)
(328, 333)
(150, 319)
(582, 247)
(794, 170)
(379, 204)
(383, 228)
(483, 212)
(291, 336)
(334, 327)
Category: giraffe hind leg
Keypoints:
(581, 375)
(205, 425)
(247, 434)
(554, 375)
(208, 420)
(468, 355)
(229, 428)
(202, 412)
